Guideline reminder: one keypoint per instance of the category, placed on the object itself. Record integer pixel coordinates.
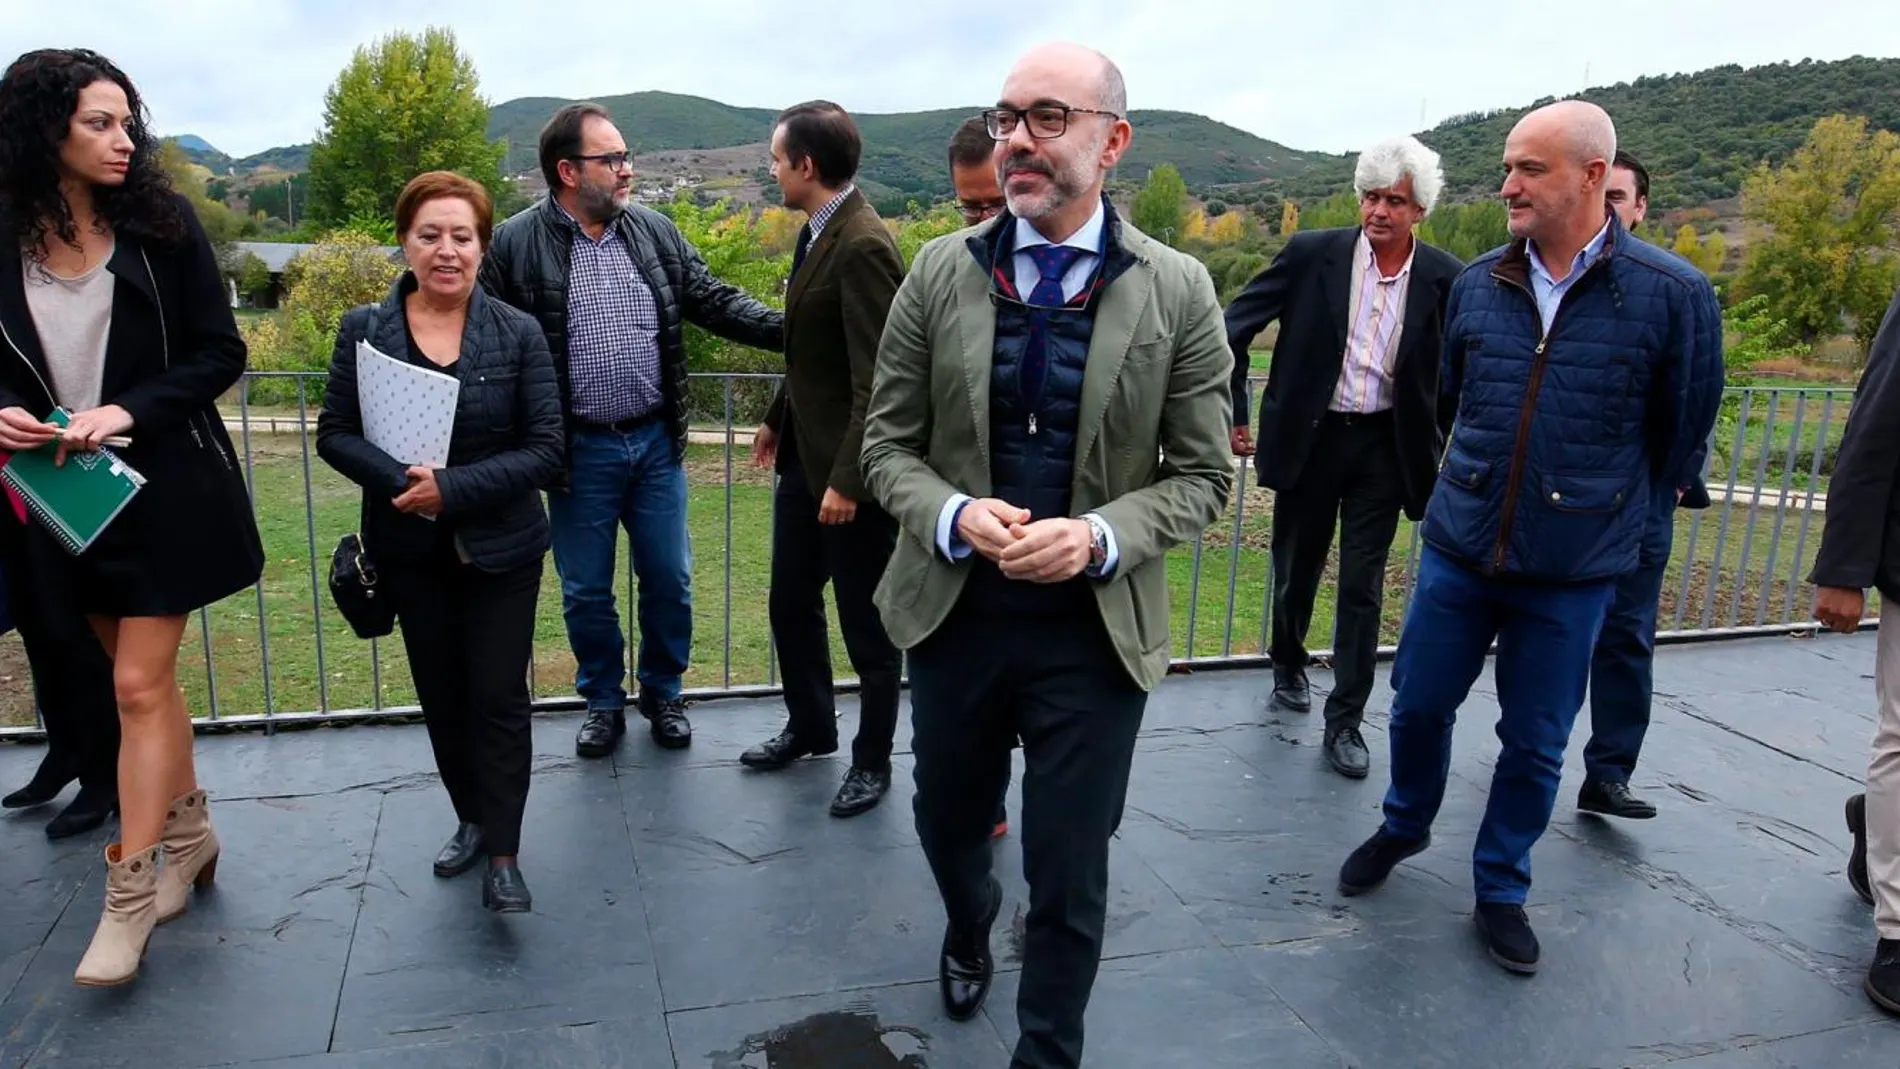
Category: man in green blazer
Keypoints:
(845, 270)
(1049, 417)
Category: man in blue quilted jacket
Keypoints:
(1585, 367)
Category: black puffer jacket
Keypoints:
(527, 266)
(505, 447)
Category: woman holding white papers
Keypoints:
(112, 308)
(442, 404)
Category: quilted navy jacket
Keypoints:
(1558, 439)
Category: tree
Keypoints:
(222, 225)
(1160, 208)
(1687, 245)
(404, 105)
(253, 277)
(1194, 228)
(1229, 228)
(1714, 253)
(1832, 215)
(344, 270)
(1216, 209)
(1289, 218)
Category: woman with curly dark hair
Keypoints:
(113, 308)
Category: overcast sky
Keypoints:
(251, 75)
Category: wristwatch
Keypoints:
(1098, 542)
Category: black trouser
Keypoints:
(469, 634)
(1351, 481)
(806, 553)
(979, 681)
(72, 677)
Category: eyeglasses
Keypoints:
(1046, 121)
(976, 213)
(613, 160)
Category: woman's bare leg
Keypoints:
(155, 749)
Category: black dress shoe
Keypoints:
(460, 853)
(668, 722)
(782, 749)
(1290, 690)
(48, 780)
(1857, 861)
(965, 968)
(862, 789)
(1613, 800)
(1883, 977)
(600, 732)
(1368, 866)
(89, 810)
(1346, 752)
(504, 891)
(1507, 934)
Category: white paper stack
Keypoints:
(408, 411)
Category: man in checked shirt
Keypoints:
(610, 283)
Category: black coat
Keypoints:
(1308, 288)
(505, 447)
(527, 267)
(1860, 546)
(188, 538)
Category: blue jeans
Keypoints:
(631, 480)
(1622, 673)
(1545, 633)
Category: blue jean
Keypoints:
(1622, 672)
(629, 480)
(1545, 633)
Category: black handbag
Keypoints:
(354, 583)
(357, 591)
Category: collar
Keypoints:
(612, 228)
(1364, 254)
(820, 218)
(1088, 238)
(1585, 256)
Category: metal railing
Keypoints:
(280, 654)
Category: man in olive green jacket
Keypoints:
(1049, 416)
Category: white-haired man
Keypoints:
(1350, 428)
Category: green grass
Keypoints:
(735, 649)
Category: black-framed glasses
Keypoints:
(613, 160)
(1046, 121)
(974, 213)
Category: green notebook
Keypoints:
(78, 500)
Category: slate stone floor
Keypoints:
(689, 913)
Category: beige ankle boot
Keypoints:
(191, 853)
(119, 941)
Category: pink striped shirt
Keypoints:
(1375, 315)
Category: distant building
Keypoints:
(276, 256)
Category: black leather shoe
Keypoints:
(504, 891)
(460, 853)
(1507, 934)
(1883, 977)
(782, 749)
(1857, 861)
(600, 732)
(1290, 690)
(1346, 752)
(667, 718)
(89, 810)
(1613, 800)
(862, 789)
(48, 780)
(965, 968)
(1368, 866)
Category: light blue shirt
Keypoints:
(1027, 274)
(1549, 291)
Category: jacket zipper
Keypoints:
(1529, 410)
(50, 399)
(165, 347)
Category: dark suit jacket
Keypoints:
(1860, 546)
(1308, 288)
(834, 316)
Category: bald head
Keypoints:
(1582, 128)
(1556, 166)
(1090, 72)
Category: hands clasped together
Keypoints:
(1043, 551)
(21, 432)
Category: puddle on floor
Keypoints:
(853, 1038)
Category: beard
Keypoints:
(1068, 181)
(602, 201)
